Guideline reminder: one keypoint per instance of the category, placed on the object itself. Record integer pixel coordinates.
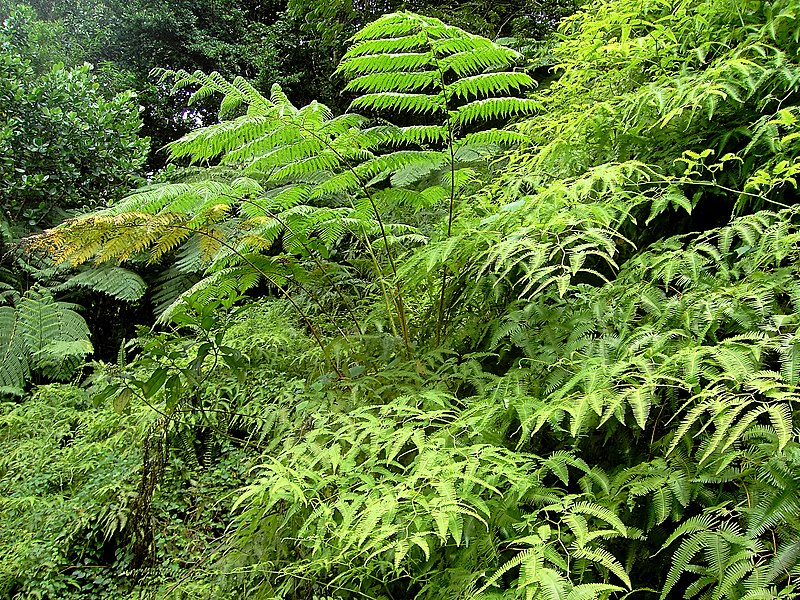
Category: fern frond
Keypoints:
(489, 84)
(402, 82)
(606, 559)
(487, 109)
(400, 102)
(420, 135)
(117, 282)
(14, 367)
(405, 62)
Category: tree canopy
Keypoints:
(65, 143)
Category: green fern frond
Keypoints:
(405, 62)
(487, 109)
(390, 26)
(55, 336)
(403, 82)
(420, 135)
(117, 282)
(591, 591)
(489, 84)
(41, 335)
(493, 137)
(606, 559)
(399, 102)
(14, 366)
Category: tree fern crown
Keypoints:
(409, 64)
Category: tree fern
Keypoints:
(440, 73)
(43, 336)
(276, 163)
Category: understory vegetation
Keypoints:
(519, 323)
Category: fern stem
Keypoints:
(439, 318)
(389, 299)
(397, 300)
(711, 184)
(441, 324)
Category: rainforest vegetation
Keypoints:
(390, 300)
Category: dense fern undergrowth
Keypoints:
(473, 338)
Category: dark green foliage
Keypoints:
(64, 145)
(119, 283)
(130, 38)
(338, 19)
